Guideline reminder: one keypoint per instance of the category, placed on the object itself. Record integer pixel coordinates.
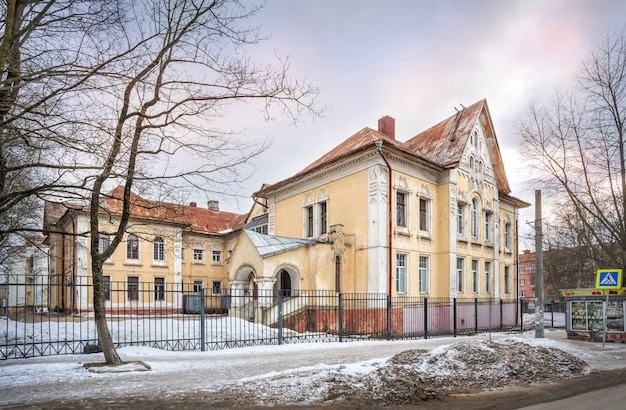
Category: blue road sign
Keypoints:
(609, 279)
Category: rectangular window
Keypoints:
(159, 288)
(460, 275)
(460, 219)
(197, 286)
(103, 242)
(133, 287)
(507, 235)
(400, 273)
(198, 255)
(309, 218)
(521, 270)
(424, 214)
(488, 277)
(474, 276)
(217, 287)
(216, 256)
(487, 226)
(159, 249)
(475, 218)
(424, 264)
(323, 217)
(507, 279)
(522, 293)
(132, 247)
(106, 283)
(522, 282)
(400, 209)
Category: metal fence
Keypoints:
(187, 317)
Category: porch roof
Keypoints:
(269, 245)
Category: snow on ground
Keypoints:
(368, 372)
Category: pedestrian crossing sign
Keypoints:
(609, 279)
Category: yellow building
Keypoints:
(430, 217)
(167, 249)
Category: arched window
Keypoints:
(475, 223)
(338, 273)
(471, 163)
(132, 247)
(159, 249)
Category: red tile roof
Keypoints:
(444, 143)
(441, 145)
(195, 219)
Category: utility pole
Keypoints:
(538, 267)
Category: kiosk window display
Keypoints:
(584, 310)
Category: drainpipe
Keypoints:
(379, 145)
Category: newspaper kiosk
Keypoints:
(584, 314)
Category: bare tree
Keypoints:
(576, 146)
(99, 94)
(47, 55)
(184, 62)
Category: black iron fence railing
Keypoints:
(39, 318)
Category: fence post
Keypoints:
(521, 315)
(476, 315)
(280, 317)
(340, 317)
(202, 322)
(425, 318)
(501, 314)
(388, 316)
(454, 316)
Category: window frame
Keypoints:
(401, 208)
(401, 272)
(460, 275)
(216, 257)
(158, 250)
(197, 286)
(475, 223)
(106, 287)
(159, 289)
(132, 247)
(216, 287)
(132, 288)
(475, 277)
(323, 211)
(424, 274)
(197, 252)
(488, 267)
(310, 224)
(460, 219)
(507, 280)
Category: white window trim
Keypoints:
(406, 229)
(426, 276)
(317, 219)
(460, 275)
(200, 261)
(406, 273)
(221, 257)
(160, 262)
(131, 260)
(429, 216)
(475, 276)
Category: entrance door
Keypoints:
(285, 283)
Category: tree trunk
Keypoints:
(104, 336)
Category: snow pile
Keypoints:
(413, 375)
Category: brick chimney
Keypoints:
(193, 204)
(214, 205)
(387, 126)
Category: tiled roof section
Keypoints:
(444, 143)
(195, 219)
(362, 140)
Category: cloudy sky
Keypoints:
(415, 60)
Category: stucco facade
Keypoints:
(382, 215)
